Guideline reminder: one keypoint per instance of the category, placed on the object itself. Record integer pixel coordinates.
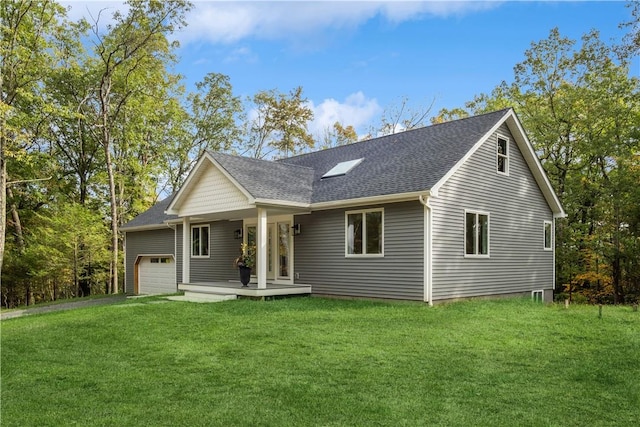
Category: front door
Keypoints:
(279, 242)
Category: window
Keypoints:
(537, 296)
(200, 241)
(364, 232)
(548, 235)
(503, 155)
(476, 240)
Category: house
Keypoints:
(454, 210)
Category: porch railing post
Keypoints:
(261, 232)
(186, 253)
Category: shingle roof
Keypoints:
(406, 162)
(269, 180)
(153, 216)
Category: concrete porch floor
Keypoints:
(236, 288)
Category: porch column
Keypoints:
(186, 251)
(261, 246)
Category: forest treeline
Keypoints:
(95, 127)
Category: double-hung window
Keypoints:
(476, 234)
(548, 235)
(200, 241)
(503, 155)
(365, 232)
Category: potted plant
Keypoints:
(245, 262)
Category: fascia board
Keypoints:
(362, 201)
(526, 148)
(277, 203)
(146, 227)
(528, 153)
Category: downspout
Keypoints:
(425, 200)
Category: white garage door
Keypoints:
(157, 275)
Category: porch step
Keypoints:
(203, 297)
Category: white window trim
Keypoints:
(364, 234)
(464, 235)
(208, 241)
(536, 293)
(544, 235)
(506, 155)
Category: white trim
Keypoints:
(544, 235)
(186, 250)
(363, 201)
(528, 153)
(279, 203)
(261, 248)
(428, 249)
(208, 255)
(172, 209)
(505, 155)
(364, 233)
(477, 240)
(537, 291)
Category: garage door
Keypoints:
(157, 275)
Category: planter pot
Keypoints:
(245, 275)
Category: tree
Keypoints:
(402, 117)
(32, 36)
(126, 56)
(211, 125)
(581, 111)
(280, 123)
(339, 135)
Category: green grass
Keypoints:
(312, 361)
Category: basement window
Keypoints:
(537, 296)
(342, 168)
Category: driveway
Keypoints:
(64, 306)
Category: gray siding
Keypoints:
(223, 248)
(150, 242)
(320, 255)
(517, 209)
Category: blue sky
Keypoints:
(354, 59)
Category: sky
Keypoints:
(356, 59)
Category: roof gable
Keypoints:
(407, 162)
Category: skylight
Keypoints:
(342, 168)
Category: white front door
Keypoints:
(279, 249)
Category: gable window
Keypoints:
(364, 232)
(503, 155)
(476, 235)
(548, 235)
(200, 241)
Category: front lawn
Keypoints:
(313, 361)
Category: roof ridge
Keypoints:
(253, 159)
(379, 138)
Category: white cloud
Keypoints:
(356, 110)
(227, 22)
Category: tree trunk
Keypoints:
(3, 194)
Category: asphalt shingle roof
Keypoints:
(405, 162)
(152, 216)
(269, 180)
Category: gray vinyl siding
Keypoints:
(223, 248)
(320, 255)
(150, 242)
(517, 209)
